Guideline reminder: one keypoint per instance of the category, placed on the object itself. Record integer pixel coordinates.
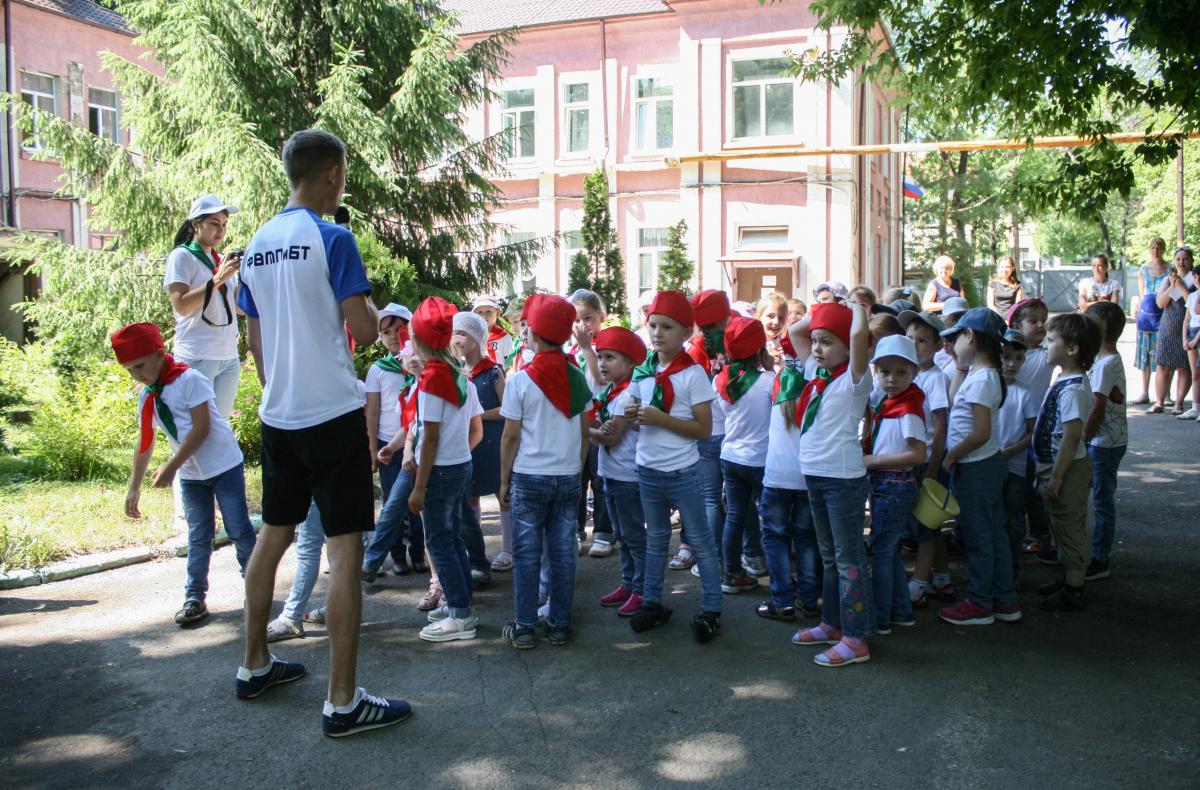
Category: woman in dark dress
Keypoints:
(1005, 290)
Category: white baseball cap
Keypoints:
(395, 310)
(895, 346)
(955, 305)
(486, 301)
(209, 204)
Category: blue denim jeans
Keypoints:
(661, 491)
(310, 538)
(544, 514)
(629, 527)
(788, 526)
(743, 491)
(391, 524)
(837, 510)
(223, 374)
(601, 522)
(473, 538)
(893, 497)
(979, 489)
(229, 489)
(445, 496)
(1105, 463)
(712, 486)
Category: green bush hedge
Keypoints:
(244, 419)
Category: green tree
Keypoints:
(675, 270)
(1157, 215)
(579, 274)
(607, 267)
(388, 77)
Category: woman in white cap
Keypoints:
(202, 287)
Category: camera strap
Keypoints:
(208, 291)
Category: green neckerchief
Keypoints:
(714, 342)
(647, 370)
(810, 413)
(740, 377)
(199, 252)
(518, 347)
(164, 414)
(390, 364)
(789, 383)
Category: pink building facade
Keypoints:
(53, 62)
(653, 92)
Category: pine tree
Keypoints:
(607, 273)
(387, 77)
(579, 275)
(675, 270)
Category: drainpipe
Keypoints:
(8, 117)
(603, 85)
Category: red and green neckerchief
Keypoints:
(810, 399)
(447, 383)
(171, 370)
(708, 349)
(736, 379)
(789, 383)
(390, 364)
(408, 402)
(210, 263)
(562, 383)
(664, 392)
(483, 366)
(911, 401)
(607, 396)
(495, 335)
(516, 358)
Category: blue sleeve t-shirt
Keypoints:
(297, 270)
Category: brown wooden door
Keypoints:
(754, 284)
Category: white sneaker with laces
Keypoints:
(1190, 414)
(600, 548)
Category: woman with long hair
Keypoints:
(1005, 289)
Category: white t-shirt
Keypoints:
(831, 446)
(1193, 306)
(219, 452)
(982, 386)
(1074, 403)
(195, 339)
(718, 416)
(1094, 291)
(620, 461)
(894, 432)
(1010, 426)
(550, 443)
(936, 386)
(1036, 374)
(454, 445)
(1107, 378)
(747, 422)
(783, 455)
(499, 349)
(659, 448)
(388, 385)
(296, 272)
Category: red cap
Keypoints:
(711, 307)
(551, 318)
(621, 340)
(433, 322)
(530, 301)
(832, 317)
(673, 305)
(744, 337)
(136, 341)
(1012, 311)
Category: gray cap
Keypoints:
(929, 319)
(955, 305)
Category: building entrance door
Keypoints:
(754, 284)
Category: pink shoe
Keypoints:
(818, 635)
(631, 606)
(431, 600)
(966, 612)
(843, 654)
(616, 597)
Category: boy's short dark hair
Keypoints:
(309, 152)
(1080, 330)
(883, 325)
(1111, 317)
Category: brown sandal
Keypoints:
(431, 600)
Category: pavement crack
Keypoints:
(533, 704)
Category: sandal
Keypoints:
(843, 654)
(682, 560)
(432, 599)
(768, 610)
(818, 635)
(1142, 401)
(282, 628)
(315, 616)
(502, 562)
(1155, 409)
(1176, 411)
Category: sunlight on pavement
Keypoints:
(703, 758)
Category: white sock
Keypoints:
(258, 673)
(351, 705)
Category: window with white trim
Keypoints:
(39, 91)
(651, 246)
(102, 114)
(654, 114)
(517, 120)
(576, 116)
(524, 281)
(764, 98)
(773, 236)
(572, 245)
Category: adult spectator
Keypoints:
(1099, 287)
(202, 287)
(1005, 289)
(303, 286)
(943, 286)
(1169, 354)
(1147, 315)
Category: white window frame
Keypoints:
(764, 245)
(742, 56)
(569, 252)
(656, 252)
(652, 102)
(503, 113)
(569, 108)
(519, 281)
(112, 134)
(34, 142)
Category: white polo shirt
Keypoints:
(551, 442)
(659, 448)
(219, 452)
(454, 445)
(747, 423)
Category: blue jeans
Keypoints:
(1105, 463)
(544, 513)
(837, 510)
(601, 521)
(661, 491)
(743, 491)
(629, 527)
(893, 497)
(712, 485)
(223, 374)
(472, 536)
(787, 523)
(391, 523)
(444, 527)
(229, 489)
(310, 537)
(979, 489)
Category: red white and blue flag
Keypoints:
(912, 189)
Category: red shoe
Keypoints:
(616, 597)
(966, 612)
(630, 607)
(1007, 612)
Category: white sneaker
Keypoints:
(1190, 414)
(544, 611)
(600, 547)
(450, 629)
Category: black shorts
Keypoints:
(328, 463)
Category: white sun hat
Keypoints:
(209, 204)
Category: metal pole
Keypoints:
(1179, 196)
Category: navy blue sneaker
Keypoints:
(249, 685)
(370, 713)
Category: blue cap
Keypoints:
(979, 319)
(1014, 337)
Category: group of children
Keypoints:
(789, 422)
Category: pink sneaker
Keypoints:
(631, 606)
(966, 612)
(616, 597)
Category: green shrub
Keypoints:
(247, 428)
(24, 550)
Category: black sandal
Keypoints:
(768, 610)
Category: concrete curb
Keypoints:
(105, 561)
